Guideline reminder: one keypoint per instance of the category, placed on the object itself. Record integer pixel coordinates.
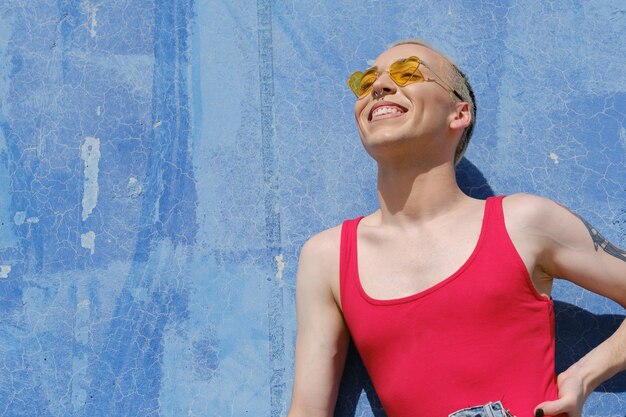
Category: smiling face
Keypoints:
(395, 121)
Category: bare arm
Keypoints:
(570, 248)
(322, 338)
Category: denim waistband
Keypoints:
(488, 410)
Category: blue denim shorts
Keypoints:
(488, 410)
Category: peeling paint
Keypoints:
(88, 241)
(4, 271)
(554, 157)
(134, 187)
(90, 153)
(280, 265)
(19, 218)
(93, 22)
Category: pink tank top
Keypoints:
(482, 334)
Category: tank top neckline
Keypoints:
(400, 300)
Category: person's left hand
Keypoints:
(571, 400)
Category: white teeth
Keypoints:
(385, 110)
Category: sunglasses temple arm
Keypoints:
(444, 84)
(456, 93)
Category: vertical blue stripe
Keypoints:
(272, 211)
(126, 370)
(170, 200)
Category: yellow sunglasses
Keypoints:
(402, 72)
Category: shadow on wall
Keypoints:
(577, 332)
(471, 180)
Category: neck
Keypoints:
(411, 194)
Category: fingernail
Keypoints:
(539, 412)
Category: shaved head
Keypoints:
(459, 82)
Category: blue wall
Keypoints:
(162, 163)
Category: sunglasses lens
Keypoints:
(406, 71)
(354, 82)
(368, 79)
(402, 72)
(361, 82)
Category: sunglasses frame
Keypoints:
(421, 78)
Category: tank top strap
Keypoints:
(347, 258)
(494, 223)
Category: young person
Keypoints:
(446, 297)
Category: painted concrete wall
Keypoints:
(162, 163)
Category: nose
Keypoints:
(383, 85)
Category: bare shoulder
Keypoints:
(318, 265)
(527, 212)
(538, 227)
(323, 244)
(541, 229)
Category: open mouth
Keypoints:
(385, 110)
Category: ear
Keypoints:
(462, 116)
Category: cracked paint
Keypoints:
(202, 144)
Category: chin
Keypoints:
(386, 144)
(388, 136)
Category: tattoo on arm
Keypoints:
(601, 241)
